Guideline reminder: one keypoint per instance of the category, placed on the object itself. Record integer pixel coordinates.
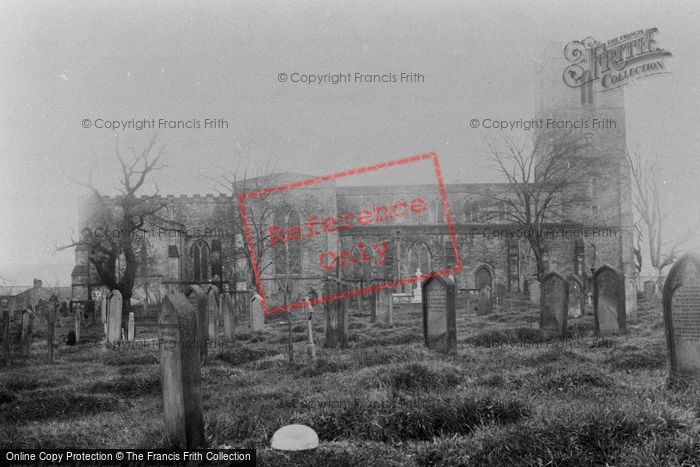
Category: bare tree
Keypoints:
(654, 209)
(115, 256)
(537, 173)
(258, 247)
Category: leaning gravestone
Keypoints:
(198, 300)
(554, 309)
(609, 301)
(577, 298)
(681, 303)
(535, 292)
(336, 314)
(26, 339)
(114, 316)
(439, 314)
(212, 312)
(649, 290)
(180, 372)
(257, 319)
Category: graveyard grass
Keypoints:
(507, 397)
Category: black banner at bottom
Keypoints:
(127, 457)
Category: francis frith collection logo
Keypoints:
(614, 63)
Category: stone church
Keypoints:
(198, 239)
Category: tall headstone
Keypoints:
(5, 310)
(577, 298)
(484, 304)
(630, 296)
(499, 293)
(27, 332)
(310, 346)
(49, 310)
(228, 311)
(212, 312)
(198, 300)
(418, 291)
(681, 304)
(535, 292)
(554, 309)
(78, 316)
(131, 328)
(383, 306)
(103, 314)
(439, 314)
(336, 314)
(114, 316)
(180, 372)
(257, 319)
(609, 301)
(649, 290)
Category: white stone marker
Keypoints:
(294, 438)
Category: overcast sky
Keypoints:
(63, 62)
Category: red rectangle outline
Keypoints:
(312, 181)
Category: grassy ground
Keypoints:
(509, 397)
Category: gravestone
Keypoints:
(649, 290)
(198, 300)
(228, 311)
(48, 310)
(554, 309)
(257, 319)
(212, 312)
(681, 304)
(27, 332)
(78, 316)
(383, 306)
(630, 296)
(180, 372)
(439, 314)
(103, 314)
(499, 293)
(577, 297)
(114, 316)
(535, 292)
(130, 334)
(484, 304)
(418, 291)
(336, 314)
(310, 346)
(5, 310)
(609, 301)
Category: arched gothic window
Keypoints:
(419, 258)
(471, 210)
(287, 255)
(200, 261)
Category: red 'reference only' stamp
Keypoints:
(267, 237)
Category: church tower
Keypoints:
(600, 199)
